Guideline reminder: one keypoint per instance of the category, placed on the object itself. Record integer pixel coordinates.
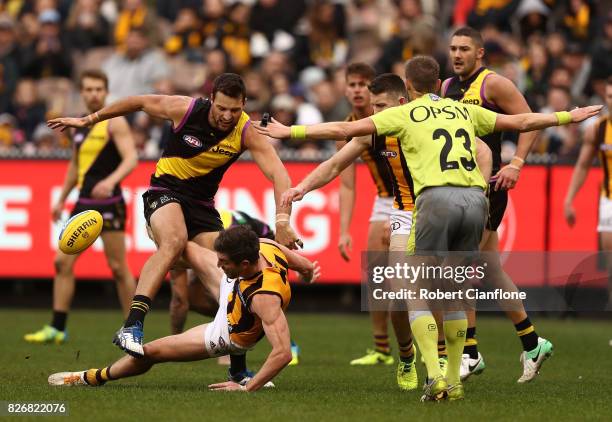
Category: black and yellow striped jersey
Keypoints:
(603, 133)
(378, 168)
(472, 91)
(97, 157)
(245, 327)
(389, 149)
(231, 218)
(198, 155)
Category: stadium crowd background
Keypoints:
(291, 53)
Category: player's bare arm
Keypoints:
(484, 158)
(167, 107)
(327, 170)
(581, 170)
(535, 121)
(502, 92)
(331, 130)
(268, 308)
(70, 181)
(124, 142)
(309, 271)
(270, 164)
(346, 199)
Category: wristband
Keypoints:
(282, 218)
(563, 117)
(516, 157)
(512, 166)
(298, 132)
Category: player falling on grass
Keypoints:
(597, 141)
(473, 83)
(253, 298)
(437, 137)
(189, 293)
(102, 157)
(358, 78)
(208, 136)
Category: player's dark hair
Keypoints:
(423, 72)
(468, 31)
(229, 84)
(238, 243)
(388, 83)
(93, 74)
(361, 69)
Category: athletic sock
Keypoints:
(138, 310)
(237, 364)
(455, 326)
(381, 344)
(527, 334)
(59, 320)
(425, 332)
(406, 352)
(471, 344)
(442, 349)
(97, 377)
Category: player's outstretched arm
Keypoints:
(327, 170)
(534, 121)
(331, 130)
(309, 271)
(581, 170)
(484, 159)
(168, 107)
(270, 164)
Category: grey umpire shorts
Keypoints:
(448, 218)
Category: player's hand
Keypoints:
(507, 178)
(292, 195)
(311, 275)
(102, 190)
(345, 245)
(286, 236)
(570, 214)
(583, 113)
(56, 211)
(62, 123)
(227, 386)
(274, 129)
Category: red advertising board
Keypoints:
(28, 189)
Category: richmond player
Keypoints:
(208, 136)
(102, 157)
(475, 84)
(437, 137)
(254, 296)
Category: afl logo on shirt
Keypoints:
(192, 141)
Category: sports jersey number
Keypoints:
(468, 164)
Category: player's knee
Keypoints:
(62, 265)
(174, 244)
(118, 269)
(152, 354)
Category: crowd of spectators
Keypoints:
(292, 55)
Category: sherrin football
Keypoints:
(80, 232)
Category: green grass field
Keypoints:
(574, 384)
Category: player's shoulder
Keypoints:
(497, 84)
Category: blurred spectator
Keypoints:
(280, 84)
(137, 70)
(86, 26)
(579, 20)
(601, 65)
(44, 140)
(274, 22)
(322, 42)
(559, 140)
(216, 64)
(533, 18)
(561, 77)
(136, 14)
(187, 37)
(9, 133)
(258, 93)
(273, 63)
(332, 106)
(48, 55)
(419, 39)
(537, 72)
(9, 68)
(8, 39)
(575, 60)
(497, 13)
(27, 108)
(555, 45)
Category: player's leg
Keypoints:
(114, 249)
(185, 347)
(63, 293)
(379, 318)
(606, 246)
(179, 300)
(170, 233)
